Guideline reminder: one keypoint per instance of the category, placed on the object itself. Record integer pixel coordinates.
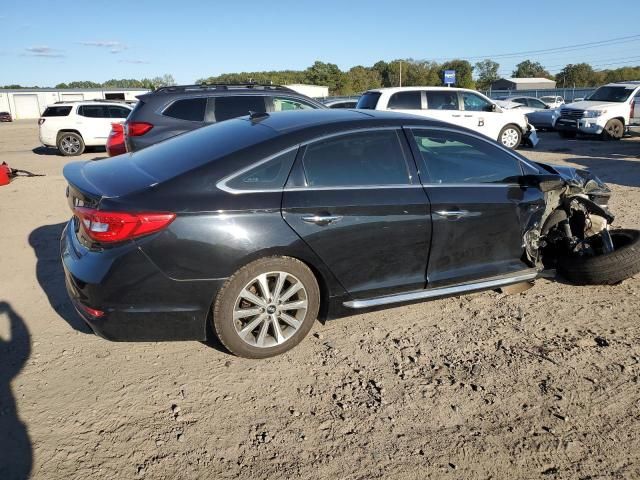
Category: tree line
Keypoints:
(389, 74)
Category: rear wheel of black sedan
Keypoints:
(267, 307)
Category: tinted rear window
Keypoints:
(405, 101)
(56, 112)
(237, 106)
(368, 100)
(188, 109)
(199, 147)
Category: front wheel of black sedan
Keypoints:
(267, 307)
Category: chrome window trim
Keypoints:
(222, 184)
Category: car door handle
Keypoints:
(456, 214)
(322, 219)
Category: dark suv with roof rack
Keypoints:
(170, 111)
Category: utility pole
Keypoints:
(400, 72)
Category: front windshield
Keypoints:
(611, 94)
(368, 100)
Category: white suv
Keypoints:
(609, 112)
(70, 126)
(466, 108)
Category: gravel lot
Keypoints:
(542, 384)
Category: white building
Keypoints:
(313, 91)
(31, 102)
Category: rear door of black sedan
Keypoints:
(479, 209)
(356, 200)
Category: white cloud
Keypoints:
(113, 45)
(43, 51)
(135, 62)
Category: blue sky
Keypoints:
(46, 42)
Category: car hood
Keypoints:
(589, 105)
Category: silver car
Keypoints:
(538, 113)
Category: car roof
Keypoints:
(628, 83)
(411, 89)
(291, 121)
(88, 102)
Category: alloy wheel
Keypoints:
(510, 138)
(70, 145)
(270, 309)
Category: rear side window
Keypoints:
(269, 175)
(281, 104)
(356, 159)
(118, 112)
(442, 100)
(405, 101)
(56, 112)
(93, 111)
(191, 109)
(453, 158)
(368, 100)
(237, 106)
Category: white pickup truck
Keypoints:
(609, 112)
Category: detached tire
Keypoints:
(606, 269)
(267, 307)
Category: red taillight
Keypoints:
(91, 311)
(136, 129)
(41, 121)
(109, 227)
(116, 129)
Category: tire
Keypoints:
(70, 144)
(565, 134)
(606, 269)
(613, 130)
(510, 136)
(239, 322)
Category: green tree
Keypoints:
(326, 74)
(529, 69)
(464, 73)
(84, 84)
(487, 72)
(359, 79)
(579, 75)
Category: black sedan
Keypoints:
(262, 224)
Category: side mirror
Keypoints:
(547, 107)
(545, 183)
(491, 108)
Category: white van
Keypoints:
(466, 108)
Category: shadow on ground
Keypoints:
(15, 447)
(45, 242)
(45, 151)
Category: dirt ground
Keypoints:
(542, 384)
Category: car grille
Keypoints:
(571, 113)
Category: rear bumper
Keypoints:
(138, 301)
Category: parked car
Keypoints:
(115, 142)
(262, 223)
(459, 106)
(5, 117)
(72, 126)
(170, 111)
(538, 113)
(554, 101)
(341, 102)
(608, 112)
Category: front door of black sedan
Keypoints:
(355, 199)
(479, 210)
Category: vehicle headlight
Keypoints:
(593, 113)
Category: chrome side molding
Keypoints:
(476, 286)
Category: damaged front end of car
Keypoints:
(572, 233)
